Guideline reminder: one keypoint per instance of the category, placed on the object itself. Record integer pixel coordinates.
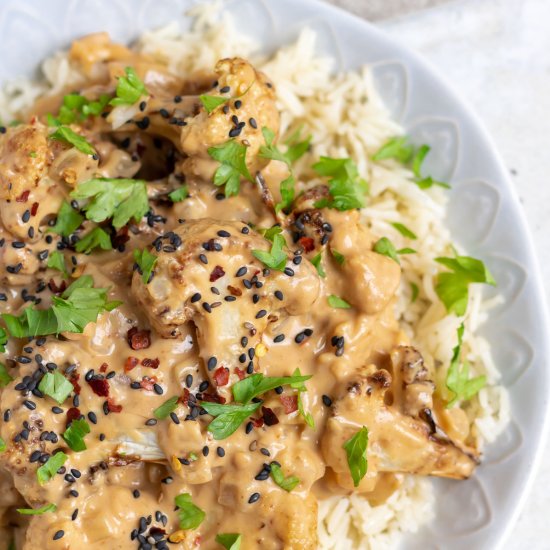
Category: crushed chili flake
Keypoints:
(270, 418)
(234, 291)
(104, 367)
(99, 386)
(24, 197)
(184, 399)
(217, 273)
(57, 289)
(75, 377)
(240, 373)
(113, 407)
(258, 422)
(221, 376)
(121, 237)
(139, 339)
(213, 398)
(147, 382)
(72, 414)
(290, 403)
(307, 243)
(34, 208)
(130, 363)
(153, 363)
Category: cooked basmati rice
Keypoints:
(347, 118)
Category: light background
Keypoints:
(496, 54)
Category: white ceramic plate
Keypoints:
(485, 217)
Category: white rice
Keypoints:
(346, 118)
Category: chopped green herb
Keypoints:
(295, 150)
(190, 515)
(396, 148)
(346, 188)
(458, 381)
(76, 108)
(406, 250)
(316, 261)
(258, 384)
(49, 469)
(120, 199)
(232, 158)
(68, 221)
(2, 445)
(299, 385)
(276, 258)
(404, 230)
(297, 147)
(356, 451)
(96, 238)
(270, 233)
(286, 483)
(56, 260)
(338, 257)
(211, 102)
(428, 181)
(5, 378)
(227, 417)
(414, 292)
(74, 435)
(3, 340)
(337, 302)
(287, 194)
(37, 511)
(146, 263)
(56, 386)
(385, 246)
(129, 88)
(65, 134)
(166, 408)
(452, 288)
(179, 194)
(230, 541)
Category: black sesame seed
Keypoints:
(26, 216)
(203, 258)
(279, 295)
(196, 297)
(142, 105)
(299, 338)
(289, 272)
(92, 417)
(151, 422)
(250, 368)
(297, 260)
(245, 230)
(59, 535)
(74, 515)
(327, 401)
(189, 380)
(164, 113)
(253, 123)
(230, 298)
(220, 451)
(174, 418)
(241, 271)
(265, 452)
(205, 450)
(234, 132)
(279, 390)
(207, 307)
(261, 313)
(225, 90)
(254, 497)
(158, 389)
(31, 405)
(177, 99)
(249, 427)
(279, 338)
(238, 104)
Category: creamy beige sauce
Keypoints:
(133, 468)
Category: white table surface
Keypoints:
(497, 55)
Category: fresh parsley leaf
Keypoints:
(258, 384)
(406, 250)
(37, 511)
(211, 102)
(95, 108)
(338, 257)
(2, 445)
(452, 288)
(230, 541)
(396, 148)
(404, 230)
(299, 385)
(145, 262)
(96, 238)
(3, 340)
(346, 188)
(337, 302)
(316, 261)
(295, 150)
(190, 515)
(232, 158)
(227, 417)
(74, 435)
(49, 469)
(428, 181)
(129, 88)
(179, 194)
(286, 483)
(457, 380)
(79, 305)
(65, 134)
(414, 292)
(56, 260)
(120, 199)
(270, 232)
(276, 258)
(5, 378)
(287, 194)
(56, 386)
(356, 451)
(385, 246)
(68, 220)
(76, 107)
(166, 408)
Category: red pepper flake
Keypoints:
(104, 367)
(270, 418)
(153, 363)
(290, 403)
(221, 376)
(99, 386)
(34, 208)
(213, 398)
(147, 382)
(234, 291)
(24, 197)
(139, 339)
(113, 407)
(258, 422)
(72, 414)
(130, 363)
(121, 237)
(57, 289)
(75, 376)
(239, 372)
(217, 273)
(184, 399)
(308, 244)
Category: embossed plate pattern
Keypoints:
(485, 217)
